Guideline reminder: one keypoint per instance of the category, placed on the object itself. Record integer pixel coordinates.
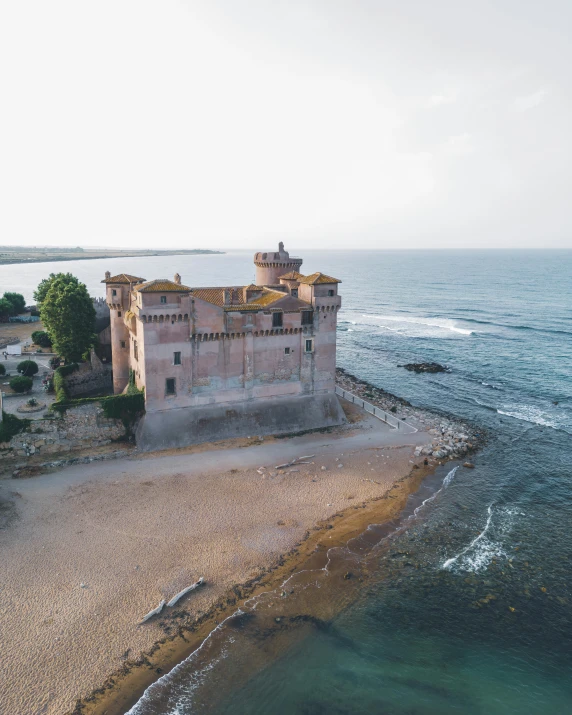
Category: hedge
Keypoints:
(60, 388)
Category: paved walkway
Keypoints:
(12, 402)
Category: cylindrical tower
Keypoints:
(118, 289)
(270, 265)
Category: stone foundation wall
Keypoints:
(93, 378)
(182, 427)
(79, 427)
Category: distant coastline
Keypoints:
(10, 255)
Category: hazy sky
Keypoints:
(238, 123)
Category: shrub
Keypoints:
(32, 402)
(11, 426)
(28, 367)
(41, 338)
(21, 383)
(2, 369)
(60, 381)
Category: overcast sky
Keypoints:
(238, 123)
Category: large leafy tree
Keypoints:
(17, 300)
(68, 315)
(45, 285)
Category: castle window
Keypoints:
(331, 292)
(170, 386)
(286, 351)
(113, 291)
(135, 350)
(119, 314)
(277, 320)
(122, 343)
(309, 346)
(163, 299)
(294, 292)
(307, 317)
(176, 358)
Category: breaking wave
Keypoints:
(443, 324)
(534, 415)
(489, 544)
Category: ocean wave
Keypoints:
(446, 481)
(553, 331)
(489, 544)
(533, 414)
(444, 324)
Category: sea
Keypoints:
(463, 604)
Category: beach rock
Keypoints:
(469, 465)
(419, 367)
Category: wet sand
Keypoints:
(87, 551)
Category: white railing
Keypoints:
(382, 415)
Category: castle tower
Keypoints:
(271, 265)
(118, 298)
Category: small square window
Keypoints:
(286, 351)
(113, 291)
(163, 299)
(122, 343)
(277, 320)
(294, 292)
(309, 346)
(307, 317)
(119, 314)
(331, 292)
(170, 386)
(176, 358)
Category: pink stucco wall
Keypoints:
(226, 355)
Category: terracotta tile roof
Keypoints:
(317, 278)
(271, 299)
(161, 285)
(292, 276)
(123, 278)
(211, 295)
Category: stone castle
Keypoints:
(228, 361)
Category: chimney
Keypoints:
(227, 296)
(177, 279)
(107, 275)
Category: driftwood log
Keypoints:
(154, 612)
(184, 592)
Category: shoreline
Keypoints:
(125, 686)
(61, 258)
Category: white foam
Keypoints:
(442, 324)
(532, 414)
(487, 546)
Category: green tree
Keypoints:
(45, 285)
(28, 368)
(17, 300)
(21, 383)
(6, 309)
(41, 338)
(68, 315)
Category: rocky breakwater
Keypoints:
(451, 438)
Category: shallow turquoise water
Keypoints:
(417, 637)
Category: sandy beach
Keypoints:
(89, 550)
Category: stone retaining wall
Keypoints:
(81, 427)
(93, 378)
